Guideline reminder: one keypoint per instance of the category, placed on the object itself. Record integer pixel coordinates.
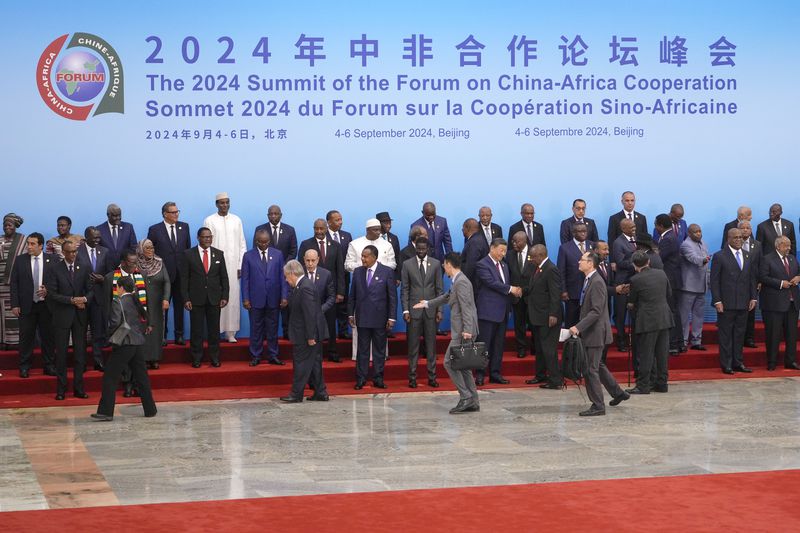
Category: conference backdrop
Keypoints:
(370, 106)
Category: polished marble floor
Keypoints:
(59, 457)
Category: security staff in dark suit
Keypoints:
(621, 251)
(578, 217)
(171, 238)
(488, 229)
(306, 331)
(533, 231)
(649, 296)
(628, 212)
(733, 293)
(569, 255)
(779, 275)
(90, 253)
(520, 269)
(475, 249)
(204, 281)
(28, 294)
(343, 239)
(69, 288)
(543, 299)
(669, 249)
(774, 227)
(284, 238)
(322, 281)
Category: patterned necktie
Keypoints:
(739, 259)
(312, 277)
(322, 251)
(336, 236)
(71, 272)
(94, 261)
(778, 229)
(205, 260)
(36, 279)
(530, 234)
(488, 231)
(582, 248)
(369, 276)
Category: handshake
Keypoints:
(516, 291)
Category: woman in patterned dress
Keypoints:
(12, 245)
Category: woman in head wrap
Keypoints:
(158, 293)
(64, 229)
(12, 245)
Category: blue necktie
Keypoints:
(739, 258)
(94, 261)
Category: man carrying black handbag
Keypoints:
(463, 326)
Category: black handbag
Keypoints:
(121, 333)
(469, 356)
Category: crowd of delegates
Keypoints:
(60, 291)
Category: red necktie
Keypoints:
(499, 270)
(786, 267)
(322, 251)
(205, 260)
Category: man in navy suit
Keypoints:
(569, 255)
(628, 212)
(284, 238)
(679, 227)
(488, 229)
(669, 249)
(324, 288)
(343, 239)
(28, 293)
(373, 310)
(90, 253)
(621, 251)
(439, 240)
(779, 276)
(116, 235)
(578, 217)
(475, 249)
(774, 227)
(264, 292)
(733, 293)
(493, 303)
(171, 239)
(532, 229)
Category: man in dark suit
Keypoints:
(475, 249)
(331, 258)
(669, 249)
(753, 247)
(115, 234)
(621, 251)
(306, 331)
(774, 227)
(28, 294)
(594, 329)
(488, 229)
(650, 292)
(439, 239)
(90, 253)
(520, 268)
(422, 280)
(284, 238)
(386, 234)
(410, 249)
(679, 226)
(326, 294)
(569, 255)
(171, 239)
(68, 290)
(733, 293)
(628, 212)
(372, 309)
(543, 298)
(493, 303)
(743, 213)
(204, 283)
(343, 239)
(533, 231)
(779, 275)
(264, 292)
(578, 217)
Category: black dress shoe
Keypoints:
(277, 362)
(334, 358)
(412, 383)
(99, 368)
(179, 340)
(150, 415)
(216, 364)
(459, 408)
(318, 398)
(82, 395)
(24, 374)
(359, 385)
(592, 412)
(472, 408)
(164, 343)
(128, 392)
(619, 399)
(521, 354)
(535, 381)
(433, 383)
(742, 368)
(662, 388)
(255, 362)
(699, 347)
(771, 367)
(727, 371)
(551, 386)
(637, 390)
(683, 349)
(792, 366)
(50, 371)
(154, 365)
(750, 343)
(102, 418)
(196, 364)
(479, 381)
(59, 396)
(291, 399)
(379, 383)
(501, 380)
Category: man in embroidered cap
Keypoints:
(373, 237)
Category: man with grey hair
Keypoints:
(780, 275)
(744, 213)
(488, 229)
(694, 284)
(306, 331)
(115, 234)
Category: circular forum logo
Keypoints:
(81, 77)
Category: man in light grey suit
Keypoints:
(422, 280)
(694, 277)
(594, 328)
(463, 326)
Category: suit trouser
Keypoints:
(122, 358)
(307, 368)
(750, 329)
(206, 315)
(549, 353)
(692, 303)
(376, 337)
(61, 340)
(427, 327)
(781, 326)
(284, 313)
(599, 377)
(541, 361)
(494, 335)
(620, 310)
(521, 325)
(330, 320)
(572, 313)
(653, 359)
(38, 318)
(676, 331)
(462, 379)
(177, 307)
(730, 327)
(97, 321)
(263, 324)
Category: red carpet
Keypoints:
(753, 502)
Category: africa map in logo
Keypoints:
(68, 77)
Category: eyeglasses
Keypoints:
(174, 212)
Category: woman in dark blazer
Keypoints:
(130, 348)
